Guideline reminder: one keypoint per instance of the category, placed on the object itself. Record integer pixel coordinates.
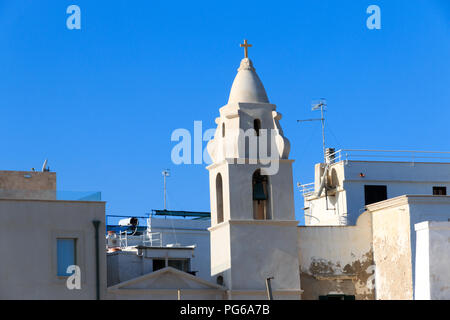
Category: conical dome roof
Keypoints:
(247, 87)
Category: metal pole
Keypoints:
(165, 173)
(323, 131)
(269, 289)
(96, 224)
(164, 192)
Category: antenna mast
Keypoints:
(165, 173)
(320, 105)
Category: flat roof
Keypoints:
(51, 200)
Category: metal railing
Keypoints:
(306, 189)
(152, 239)
(390, 155)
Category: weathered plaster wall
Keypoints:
(392, 253)
(337, 259)
(395, 240)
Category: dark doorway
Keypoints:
(374, 194)
(337, 297)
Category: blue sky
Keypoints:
(101, 102)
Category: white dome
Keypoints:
(247, 87)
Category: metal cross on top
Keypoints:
(246, 46)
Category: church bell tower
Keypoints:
(253, 227)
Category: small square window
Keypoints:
(66, 255)
(439, 191)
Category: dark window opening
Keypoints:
(158, 264)
(223, 129)
(337, 297)
(439, 191)
(219, 280)
(180, 264)
(219, 198)
(257, 126)
(374, 194)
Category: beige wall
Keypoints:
(392, 253)
(28, 233)
(394, 240)
(337, 260)
(27, 185)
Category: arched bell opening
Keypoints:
(260, 185)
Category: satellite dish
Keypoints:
(44, 166)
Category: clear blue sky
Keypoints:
(102, 102)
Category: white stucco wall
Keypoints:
(401, 178)
(133, 263)
(187, 232)
(432, 261)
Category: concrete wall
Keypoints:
(432, 261)
(28, 233)
(337, 260)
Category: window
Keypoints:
(439, 191)
(260, 185)
(257, 126)
(180, 264)
(66, 255)
(219, 198)
(223, 130)
(158, 264)
(374, 194)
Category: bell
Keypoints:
(258, 191)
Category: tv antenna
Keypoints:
(321, 105)
(165, 173)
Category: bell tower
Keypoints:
(253, 227)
